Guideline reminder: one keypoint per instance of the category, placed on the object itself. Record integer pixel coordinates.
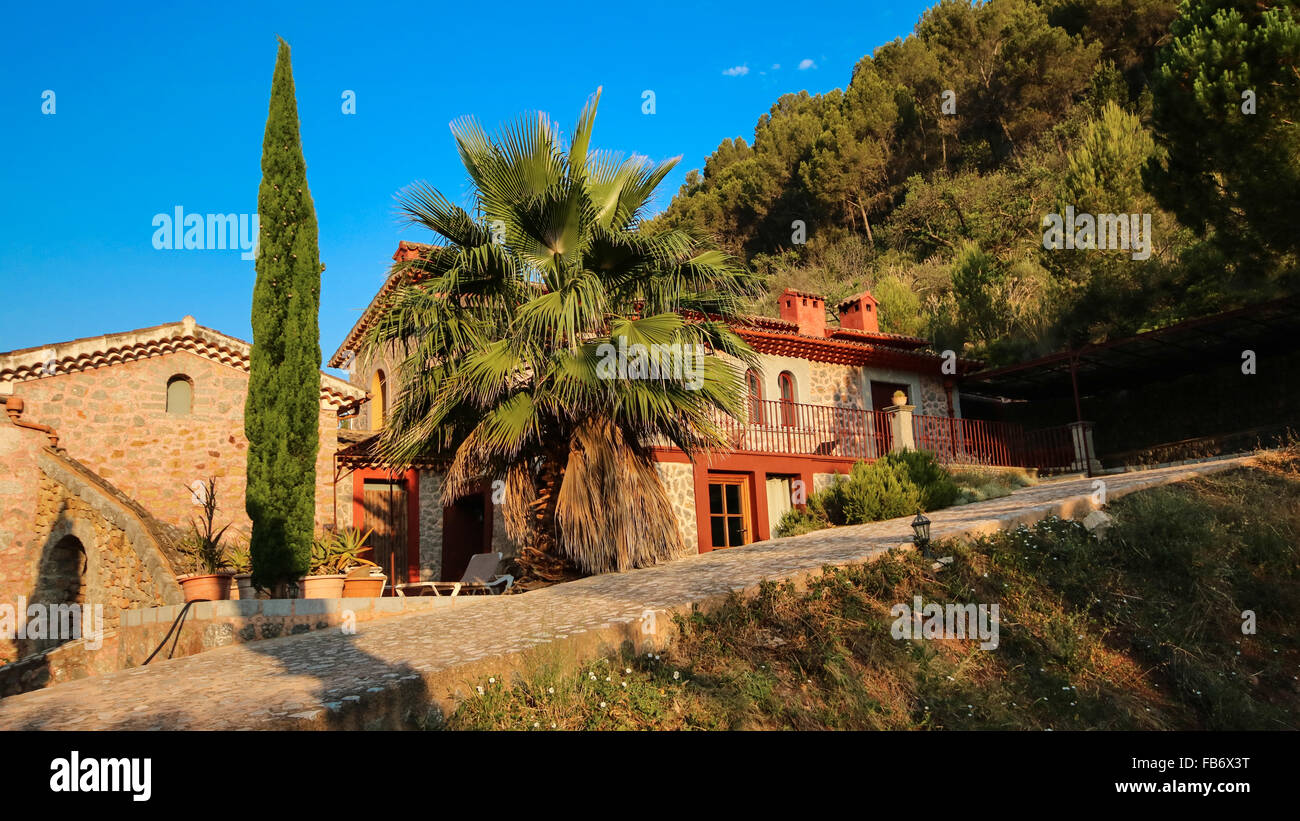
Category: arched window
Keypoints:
(180, 395)
(378, 400)
(786, 383)
(755, 386)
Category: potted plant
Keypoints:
(364, 578)
(900, 398)
(208, 578)
(325, 579)
(241, 562)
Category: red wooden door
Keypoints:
(386, 515)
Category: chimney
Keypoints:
(808, 311)
(860, 313)
(406, 251)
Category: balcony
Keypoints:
(795, 429)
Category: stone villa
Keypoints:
(823, 399)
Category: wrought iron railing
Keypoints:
(792, 428)
(984, 442)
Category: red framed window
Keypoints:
(755, 386)
(786, 383)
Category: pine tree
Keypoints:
(1226, 103)
(281, 416)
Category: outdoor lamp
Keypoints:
(921, 534)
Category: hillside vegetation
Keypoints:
(928, 175)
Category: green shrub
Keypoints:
(879, 490)
(898, 484)
(883, 489)
(797, 522)
(934, 481)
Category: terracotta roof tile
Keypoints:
(93, 352)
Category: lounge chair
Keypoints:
(480, 578)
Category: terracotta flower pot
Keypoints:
(213, 587)
(322, 587)
(244, 589)
(364, 588)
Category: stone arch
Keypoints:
(62, 576)
(67, 559)
(66, 573)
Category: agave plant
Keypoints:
(349, 544)
(339, 552)
(504, 324)
(238, 558)
(203, 546)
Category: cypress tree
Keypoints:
(282, 414)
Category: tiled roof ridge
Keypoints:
(145, 343)
(861, 348)
(882, 335)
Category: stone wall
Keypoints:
(839, 385)
(847, 386)
(431, 526)
(431, 531)
(361, 374)
(114, 419)
(679, 481)
(933, 400)
(501, 541)
(20, 487)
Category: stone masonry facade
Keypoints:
(679, 482)
(97, 471)
(115, 420)
(431, 528)
(845, 386)
(107, 399)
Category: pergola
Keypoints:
(1160, 355)
(1152, 356)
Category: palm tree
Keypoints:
(504, 328)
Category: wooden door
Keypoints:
(729, 518)
(385, 504)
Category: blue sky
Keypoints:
(165, 107)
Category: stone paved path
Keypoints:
(390, 672)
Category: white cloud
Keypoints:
(806, 64)
(736, 71)
(776, 66)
